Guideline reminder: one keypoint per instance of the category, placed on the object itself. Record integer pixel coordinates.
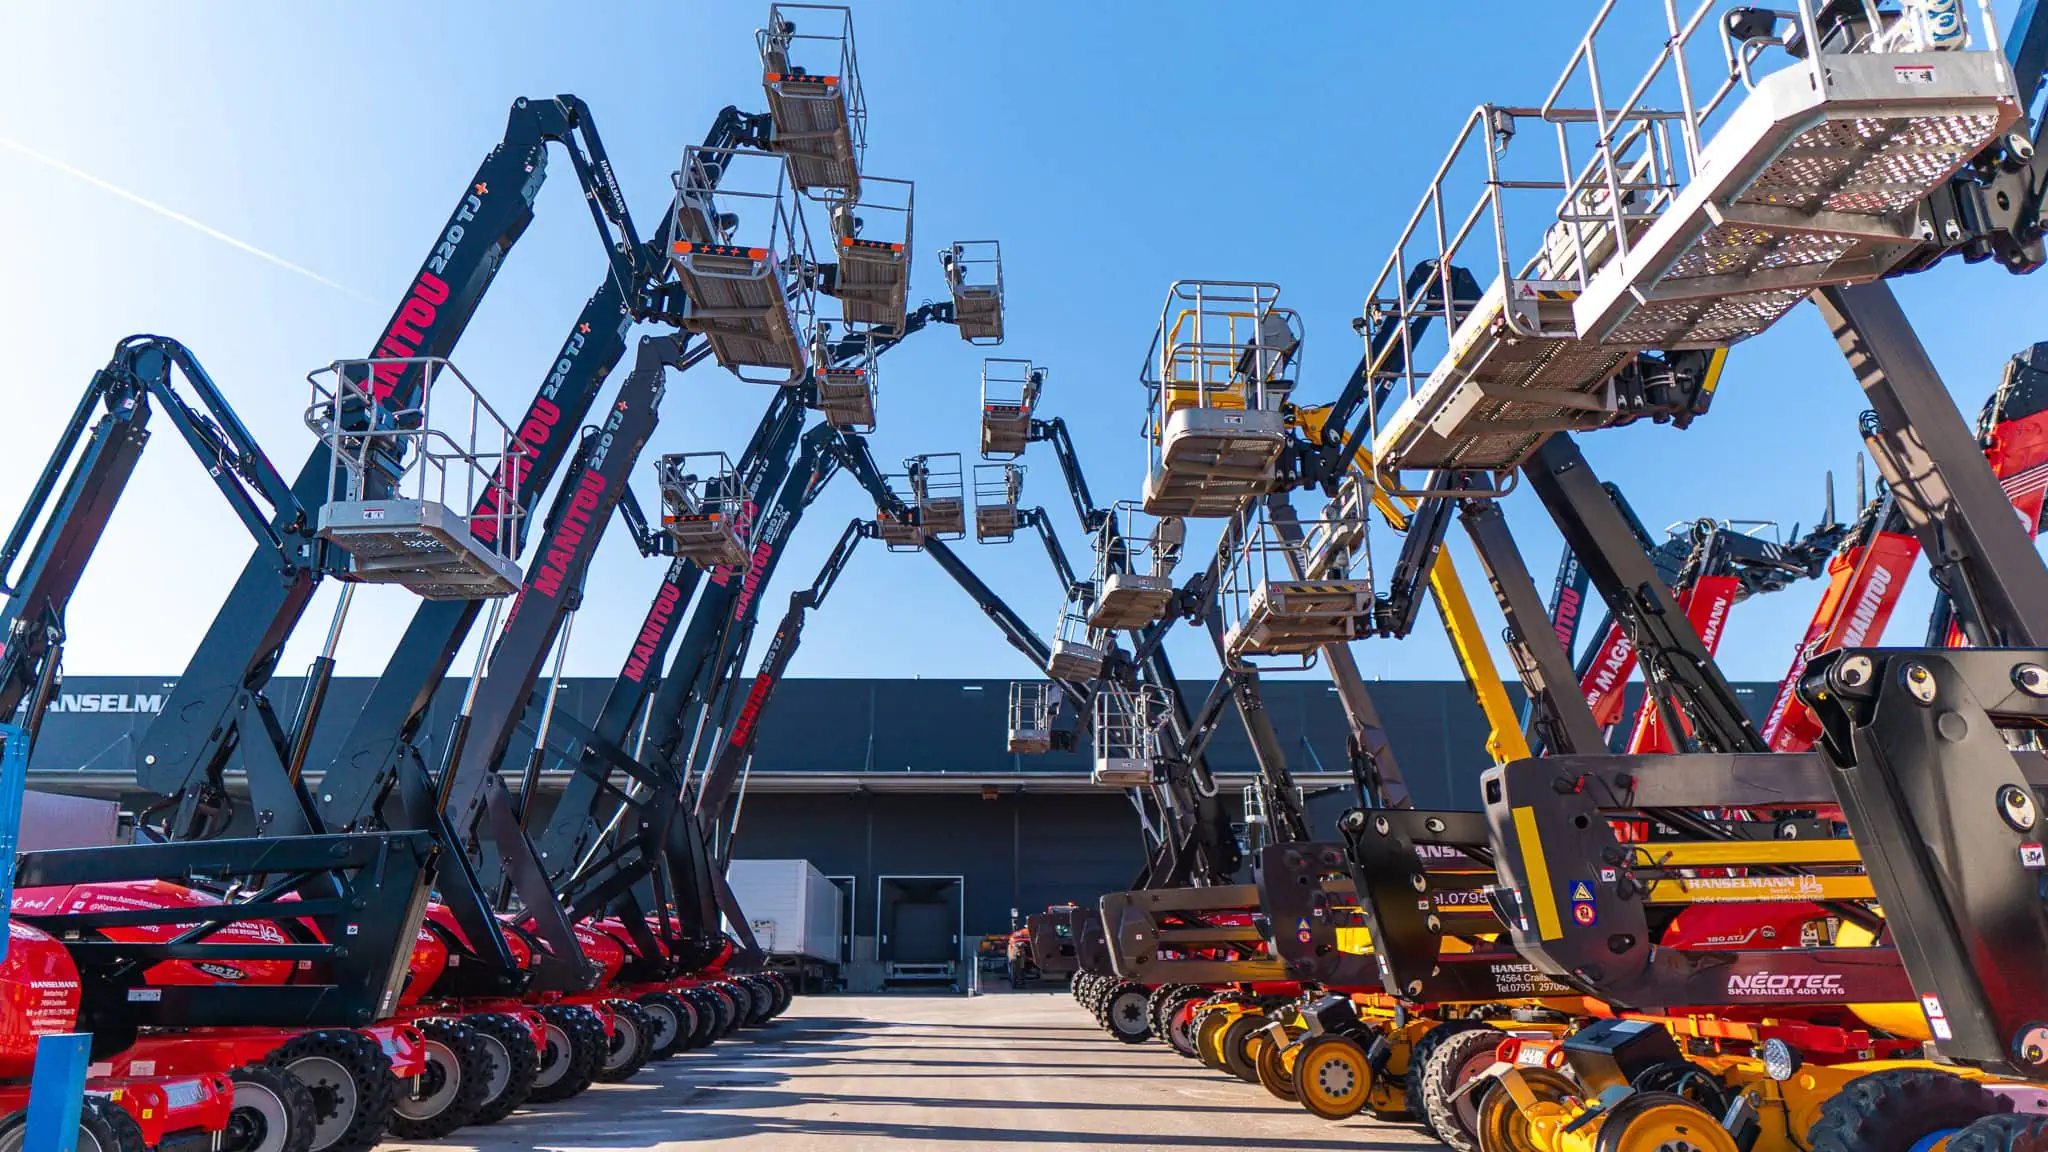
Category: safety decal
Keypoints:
(1585, 913)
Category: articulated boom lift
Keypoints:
(218, 706)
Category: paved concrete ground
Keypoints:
(1029, 1070)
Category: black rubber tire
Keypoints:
(1613, 1129)
(1208, 1022)
(574, 1053)
(631, 1044)
(672, 1020)
(103, 1126)
(1893, 1110)
(704, 1026)
(1155, 1002)
(452, 1090)
(272, 1112)
(2006, 1132)
(1455, 1122)
(724, 1011)
(1236, 1060)
(785, 994)
(762, 1006)
(1274, 1074)
(734, 999)
(1426, 1046)
(508, 1039)
(1181, 1038)
(335, 1064)
(1124, 1013)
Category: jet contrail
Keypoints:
(181, 218)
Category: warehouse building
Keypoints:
(897, 789)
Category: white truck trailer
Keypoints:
(794, 912)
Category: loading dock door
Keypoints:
(918, 924)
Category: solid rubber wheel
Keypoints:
(1502, 1127)
(350, 1079)
(1180, 1022)
(1894, 1110)
(1125, 1016)
(103, 1126)
(1332, 1077)
(1209, 1025)
(1275, 1067)
(669, 1017)
(1235, 1045)
(1420, 1054)
(631, 1044)
(453, 1088)
(728, 1009)
(1159, 1003)
(703, 1016)
(272, 1112)
(2006, 1132)
(763, 1009)
(514, 1064)
(1435, 1075)
(1661, 1122)
(576, 1047)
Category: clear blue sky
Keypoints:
(1112, 148)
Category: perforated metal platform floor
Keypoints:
(1025, 1070)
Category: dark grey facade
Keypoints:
(875, 778)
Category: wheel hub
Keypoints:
(625, 1040)
(434, 1089)
(257, 1113)
(501, 1068)
(554, 1060)
(665, 1024)
(334, 1096)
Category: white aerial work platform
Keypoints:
(1216, 377)
(1760, 156)
(392, 475)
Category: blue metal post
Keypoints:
(57, 1086)
(13, 783)
(57, 1092)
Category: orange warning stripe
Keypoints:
(685, 247)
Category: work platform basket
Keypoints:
(974, 275)
(1134, 557)
(871, 240)
(393, 473)
(1216, 377)
(846, 384)
(1077, 650)
(1690, 204)
(1130, 730)
(998, 488)
(1291, 589)
(1009, 396)
(1032, 704)
(743, 253)
(810, 73)
(704, 508)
